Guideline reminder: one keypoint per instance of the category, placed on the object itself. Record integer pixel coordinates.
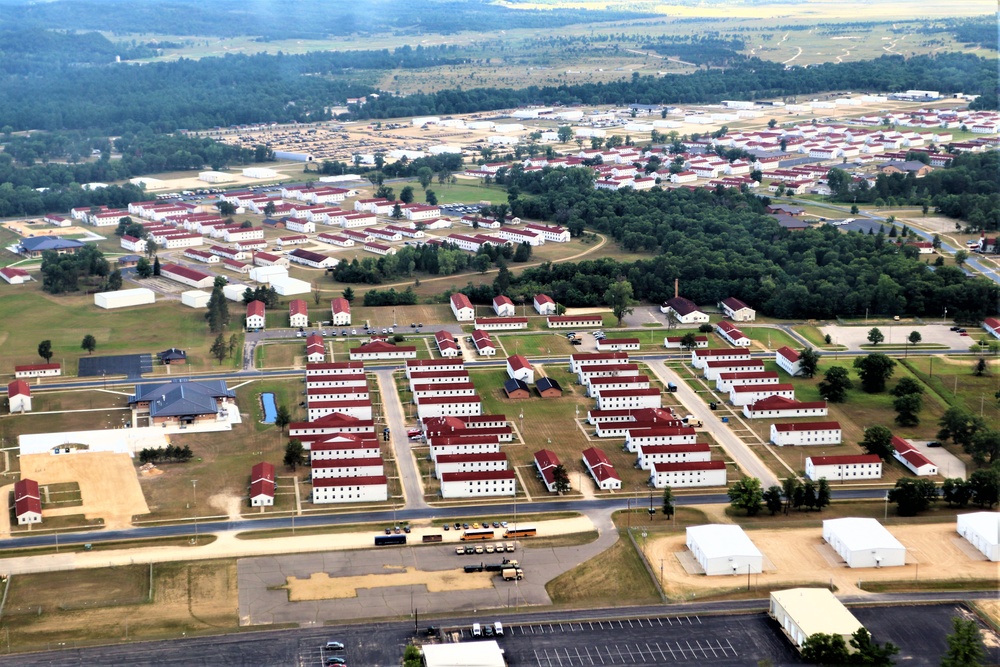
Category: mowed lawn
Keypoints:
(858, 412)
(28, 315)
(222, 461)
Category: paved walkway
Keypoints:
(740, 452)
(392, 409)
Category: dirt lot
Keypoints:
(113, 603)
(108, 484)
(934, 552)
(30, 228)
(322, 586)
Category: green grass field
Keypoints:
(65, 320)
(615, 577)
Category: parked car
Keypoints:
(334, 646)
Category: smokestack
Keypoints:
(677, 286)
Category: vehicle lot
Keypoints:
(661, 640)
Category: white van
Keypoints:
(477, 630)
(498, 628)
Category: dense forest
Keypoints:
(304, 19)
(967, 189)
(31, 188)
(719, 243)
(751, 79)
(65, 92)
(699, 50)
(77, 86)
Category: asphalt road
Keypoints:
(688, 633)
(749, 462)
(392, 410)
(380, 516)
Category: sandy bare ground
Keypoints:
(228, 503)
(934, 551)
(108, 484)
(227, 545)
(6, 495)
(322, 586)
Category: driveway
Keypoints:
(392, 409)
(948, 464)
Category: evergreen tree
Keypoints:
(965, 645)
(156, 266)
(219, 348)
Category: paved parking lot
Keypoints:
(715, 640)
(856, 336)
(130, 365)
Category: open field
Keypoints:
(615, 577)
(801, 555)
(222, 461)
(114, 604)
(66, 319)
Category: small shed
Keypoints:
(724, 549)
(863, 542)
(516, 389)
(172, 357)
(548, 388)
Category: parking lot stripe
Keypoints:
(674, 657)
(538, 660)
(618, 648)
(730, 645)
(642, 656)
(681, 649)
(699, 620)
(661, 622)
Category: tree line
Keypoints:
(750, 79)
(967, 189)
(720, 243)
(306, 19)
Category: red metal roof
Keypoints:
(543, 298)
(788, 353)
(184, 272)
(750, 388)
(689, 465)
(373, 480)
(517, 362)
(808, 426)
(26, 488)
(262, 470)
(347, 463)
(546, 459)
(35, 367)
(382, 346)
(843, 459)
(667, 449)
(471, 458)
(482, 475)
(782, 403)
(465, 438)
(18, 388)
(722, 353)
(661, 431)
(255, 308)
(298, 307)
(575, 318)
(459, 301)
(340, 305)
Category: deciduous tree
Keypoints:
(45, 350)
(89, 344)
(878, 441)
(875, 336)
(835, 384)
(874, 370)
(912, 496)
(619, 297)
(809, 361)
(747, 495)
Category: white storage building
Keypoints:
(196, 298)
(260, 172)
(803, 612)
(234, 291)
(124, 298)
(286, 286)
(265, 274)
(864, 542)
(982, 530)
(724, 549)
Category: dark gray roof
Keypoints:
(789, 222)
(172, 353)
(41, 243)
(547, 383)
(513, 385)
(182, 397)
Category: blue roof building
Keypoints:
(181, 401)
(35, 246)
